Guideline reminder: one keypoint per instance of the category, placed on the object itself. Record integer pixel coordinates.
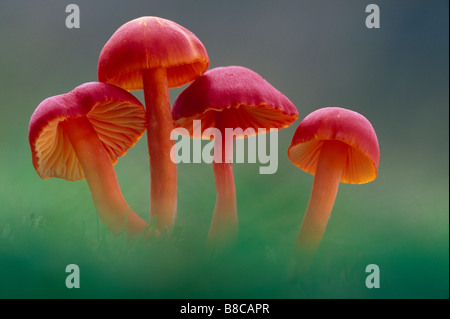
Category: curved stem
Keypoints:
(113, 210)
(224, 224)
(329, 169)
(163, 179)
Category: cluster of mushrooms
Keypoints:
(80, 134)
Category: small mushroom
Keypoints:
(155, 54)
(80, 135)
(336, 145)
(230, 97)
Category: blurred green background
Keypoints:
(318, 53)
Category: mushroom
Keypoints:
(336, 145)
(155, 54)
(230, 97)
(80, 135)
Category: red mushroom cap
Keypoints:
(151, 42)
(247, 98)
(116, 115)
(349, 127)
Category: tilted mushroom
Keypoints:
(230, 97)
(80, 135)
(336, 145)
(155, 54)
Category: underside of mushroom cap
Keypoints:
(151, 42)
(349, 127)
(246, 99)
(117, 117)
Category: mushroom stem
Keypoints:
(224, 223)
(329, 170)
(163, 179)
(113, 210)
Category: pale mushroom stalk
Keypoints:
(224, 223)
(113, 210)
(328, 175)
(163, 190)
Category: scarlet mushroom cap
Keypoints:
(151, 42)
(247, 98)
(117, 117)
(349, 127)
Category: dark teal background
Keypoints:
(318, 53)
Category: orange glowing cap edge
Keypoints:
(349, 127)
(116, 115)
(237, 97)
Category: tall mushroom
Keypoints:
(230, 97)
(155, 54)
(80, 135)
(336, 145)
